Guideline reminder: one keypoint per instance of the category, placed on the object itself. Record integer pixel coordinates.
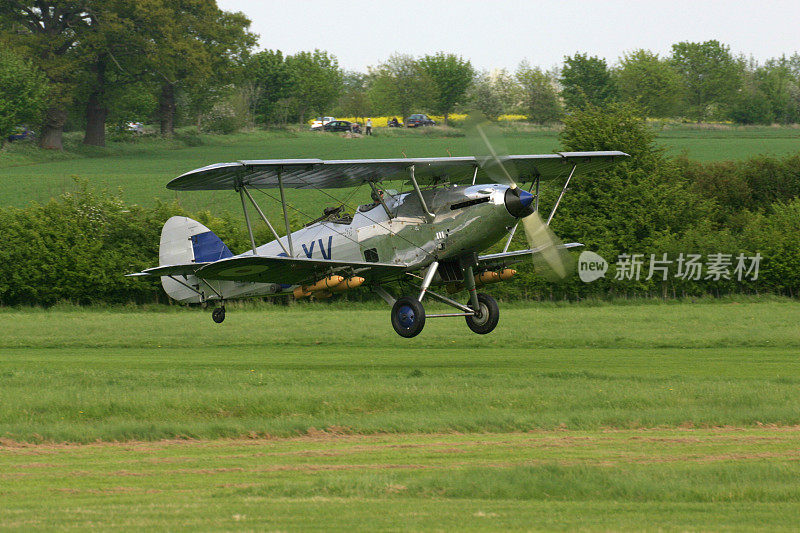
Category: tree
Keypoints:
(209, 96)
(400, 85)
(354, 101)
(111, 48)
(779, 81)
(47, 32)
(133, 102)
(750, 105)
(87, 46)
(586, 81)
(483, 96)
(508, 90)
(710, 75)
(650, 82)
(192, 42)
(23, 89)
(267, 70)
(637, 203)
(539, 97)
(451, 76)
(316, 80)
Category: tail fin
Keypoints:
(184, 241)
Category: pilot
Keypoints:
(376, 195)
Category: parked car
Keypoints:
(342, 125)
(135, 127)
(21, 133)
(321, 121)
(419, 120)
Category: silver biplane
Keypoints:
(430, 236)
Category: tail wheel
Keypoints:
(408, 317)
(218, 314)
(488, 314)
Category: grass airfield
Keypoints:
(679, 416)
(655, 416)
(666, 479)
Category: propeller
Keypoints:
(550, 260)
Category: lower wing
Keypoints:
(277, 269)
(507, 258)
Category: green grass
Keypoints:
(679, 416)
(84, 375)
(654, 480)
(142, 169)
(722, 143)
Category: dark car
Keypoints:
(21, 133)
(419, 120)
(342, 125)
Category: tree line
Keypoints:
(90, 64)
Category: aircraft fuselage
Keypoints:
(466, 219)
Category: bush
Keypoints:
(223, 119)
(755, 183)
(79, 247)
(776, 236)
(23, 89)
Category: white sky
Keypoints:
(502, 33)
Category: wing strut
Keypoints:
(247, 221)
(264, 218)
(285, 212)
(560, 196)
(510, 236)
(200, 294)
(428, 215)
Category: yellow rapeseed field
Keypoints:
(381, 122)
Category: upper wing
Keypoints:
(292, 270)
(322, 174)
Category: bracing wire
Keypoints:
(344, 203)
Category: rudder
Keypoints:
(184, 241)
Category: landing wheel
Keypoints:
(408, 316)
(488, 315)
(218, 314)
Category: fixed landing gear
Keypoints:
(486, 316)
(408, 317)
(218, 314)
(408, 314)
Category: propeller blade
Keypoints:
(550, 260)
(486, 141)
